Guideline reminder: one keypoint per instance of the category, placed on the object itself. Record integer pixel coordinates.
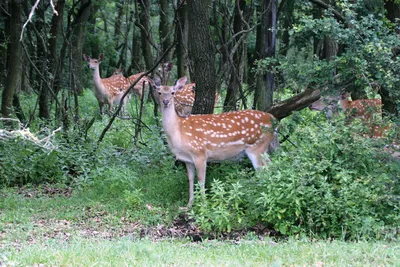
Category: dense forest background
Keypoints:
(250, 51)
(270, 55)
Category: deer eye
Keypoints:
(159, 93)
(172, 93)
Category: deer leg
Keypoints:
(190, 172)
(201, 166)
(101, 106)
(255, 159)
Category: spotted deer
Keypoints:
(363, 109)
(198, 139)
(184, 99)
(138, 88)
(141, 85)
(367, 110)
(118, 72)
(108, 91)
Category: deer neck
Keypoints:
(98, 83)
(171, 124)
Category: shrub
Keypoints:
(337, 184)
(329, 182)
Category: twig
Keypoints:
(33, 12)
(29, 17)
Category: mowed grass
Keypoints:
(126, 252)
(83, 230)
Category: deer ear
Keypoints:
(86, 57)
(101, 57)
(169, 66)
(155, 82)
(180, 83)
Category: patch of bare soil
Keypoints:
(94, 225)
(45, 190)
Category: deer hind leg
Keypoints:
(254, 152)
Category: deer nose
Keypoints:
(166, 102)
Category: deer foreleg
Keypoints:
(190, 172)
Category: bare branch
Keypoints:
(29, 17)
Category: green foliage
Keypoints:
(223, 210)
(23, 162)
(328, 182)
(335, 185)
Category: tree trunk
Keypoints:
(14, 59)
(265, 82)
(164, 29)
(201, 56)
(287, 24)
(144, 24)
(44, 98)
(236, 73)
(182, 37)
(77, 40)
(53, 64)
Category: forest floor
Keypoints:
(48, 226)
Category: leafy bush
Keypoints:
(223, 211)
(337, 184)
(334, 183)
(23, 162)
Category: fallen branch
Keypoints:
(26, 134)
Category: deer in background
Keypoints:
(184, 99)
(363, 109)
(198, 139)
(139, 87)
(109, 90)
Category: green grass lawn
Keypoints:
(130, 252)
(82, 229)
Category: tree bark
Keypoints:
(77, 39)
(285, 108)
(263, 96)
(201, 55)
(237, 68)
(14, 59)
(144, 24)
(182, 37)
(164, 29)
(42, 54)
(287, 24)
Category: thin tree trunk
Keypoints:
(14, 59)
(236, 76)
(78, 34)
(44, 98)
(182, 37)
(265, 81)
(164, 29)
(201, 56)
(144, 24)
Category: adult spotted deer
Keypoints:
(197, 139)
(364, 109)
(367, 110)
(184, 99)
(109, 90)
(139, 87)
